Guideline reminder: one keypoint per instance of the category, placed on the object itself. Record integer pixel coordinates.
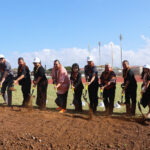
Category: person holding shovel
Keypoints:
(130, 88)
(145, 100)
(108, 85)
(91, 75)
(62, 83)
(77, 86)
(41, 82)
(23, 78)
(6, 82)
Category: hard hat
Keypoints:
(89, 58)
(146, 66)
(36, 60)
(2, 56)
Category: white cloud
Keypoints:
(68, 56)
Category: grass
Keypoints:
(51, 96)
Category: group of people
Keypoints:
(61, 80)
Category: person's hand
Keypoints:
(143, 89)
(34, 83)
(72, 87)
(55, 86)
(88, 83)
(123, 91)
(102, 88)
(108, 83)
(15, 81)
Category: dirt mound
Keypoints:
(21, 128)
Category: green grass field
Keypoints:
(17, 99)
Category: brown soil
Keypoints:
(21, 128)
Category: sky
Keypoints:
(62, 29)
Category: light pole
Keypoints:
(112, 54)
(89, 49)
(121, 49)
(99, 45)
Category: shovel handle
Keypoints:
(72, 90)
(55, 88)
(86, 86)
(33, 88)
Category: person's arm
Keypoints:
(85, 73)
(146, 85)
(41, 73)
(112, 80)
(93, 78)
(24, 72)
(4, 77)
(61, 79)
(19, 78)
(53, 76)
(129, 78)
(79, 81)
(37, 81)
(71, 80)
(58, 85)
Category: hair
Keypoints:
(126, 61)
(107, 64)
(75, 65)
(20, 58)
(143, 73)
(56, 61)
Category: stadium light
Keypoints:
(99, 45)
(121, 49)
(112, 54)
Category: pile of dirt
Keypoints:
(21, 128)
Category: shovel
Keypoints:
(0, 89)
(85, 99)
(139, 106)
(55, 89)
(101, 94)
(122, 95)
(85, 94)
(31, 96)
(73, 96)
(121, 102)
(143, 119)
(140, 109)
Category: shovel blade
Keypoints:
(121, 103)
(29, 101)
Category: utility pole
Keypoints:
(112, 55)
(121, 49)
(99, 45)
(45, 67)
